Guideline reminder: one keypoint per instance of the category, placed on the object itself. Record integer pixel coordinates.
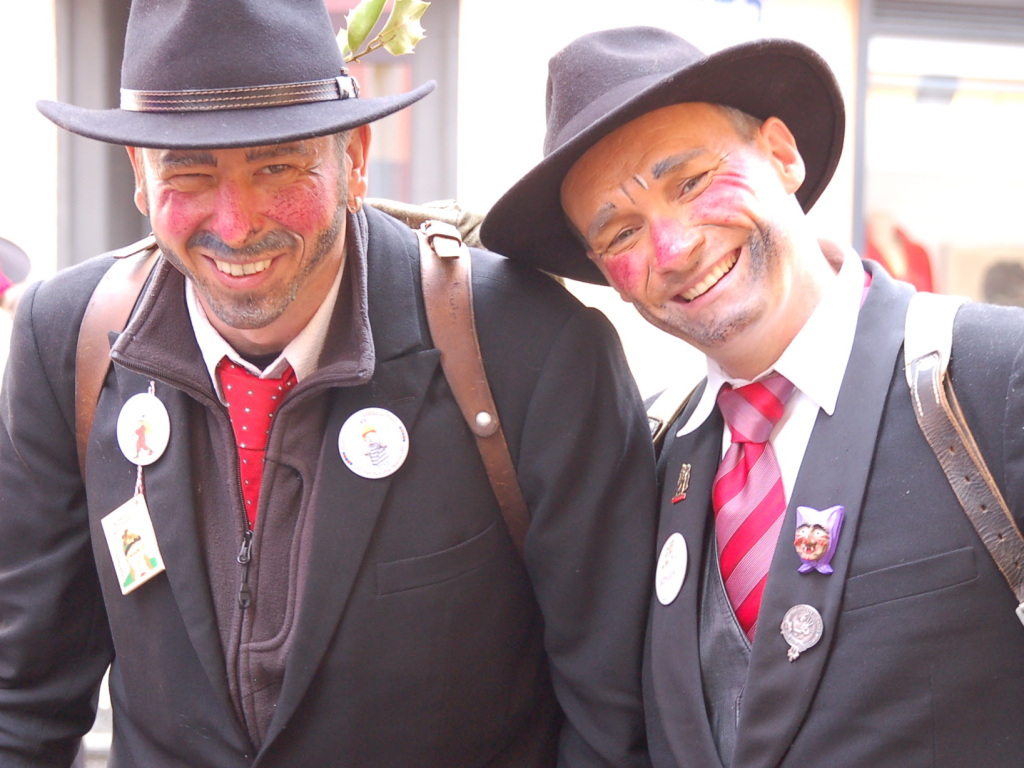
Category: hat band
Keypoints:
(210, 100)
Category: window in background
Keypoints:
(412, 152)
(940, 152)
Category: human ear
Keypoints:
(357, 154)
(135, 155)
(786, 158)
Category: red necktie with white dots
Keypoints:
(252, 402)
(747, 496)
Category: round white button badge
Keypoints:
(143, 429)
(671, 573)
(373, 443)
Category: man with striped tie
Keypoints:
(821, 597)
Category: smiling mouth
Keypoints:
(241, 270)
(711, 280)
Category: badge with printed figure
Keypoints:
(132, 544)
(802, 628)
(671, 572)
(817, 534)
(143, 429)
(373, 443)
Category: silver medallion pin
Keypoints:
(802, 628)
(671, 573)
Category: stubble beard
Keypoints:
(252, 311)
(709, 332)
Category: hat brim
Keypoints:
(229, 128)
(14, 262)
(765, 78)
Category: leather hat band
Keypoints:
(209, 100)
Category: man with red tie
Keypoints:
(329, 579)
(821, 597)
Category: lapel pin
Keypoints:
(373, 443)
(682, 483)
(143, 428)
(802, 628)
(671, 572)
(817, 534)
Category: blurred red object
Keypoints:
(903, 257)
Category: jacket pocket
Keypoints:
(437, 567)
(908, 579)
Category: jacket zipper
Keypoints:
(244, 556)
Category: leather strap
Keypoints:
(448, 294)
(108, 310)
(665, 408)
(944, 426)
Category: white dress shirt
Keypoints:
(815, 362)
(302, 352)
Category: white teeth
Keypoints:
(238, 270)
(712, 279)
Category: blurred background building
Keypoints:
(929, 181)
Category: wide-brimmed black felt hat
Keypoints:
(208, 74)
(13, 261)
(603, 80)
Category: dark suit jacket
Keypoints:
(418, 640)
(922, 658)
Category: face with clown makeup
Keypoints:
(260, 231)
(689, 212)
(811, 542)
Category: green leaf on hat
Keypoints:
(403, 30)
(359, 22)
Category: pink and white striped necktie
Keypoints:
(747, 495)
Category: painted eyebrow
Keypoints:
(668, 164)
(601, 218)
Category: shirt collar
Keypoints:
(815, 361)
(302, 352)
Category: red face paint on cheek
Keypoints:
(626, 272)
(179, 215)
(721, 203)
(301, 210)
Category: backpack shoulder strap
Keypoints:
(664, 408)
(929, 329)
(447, 293)
(927, 349)
(108, 310)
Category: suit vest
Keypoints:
(724, 653)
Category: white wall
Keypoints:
(28, 191)
(504, 50)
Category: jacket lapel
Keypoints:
(835, 470)
(405, 366)
(346, 509)
(673, 667)
(172, 511)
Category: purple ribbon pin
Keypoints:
(817, 533)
